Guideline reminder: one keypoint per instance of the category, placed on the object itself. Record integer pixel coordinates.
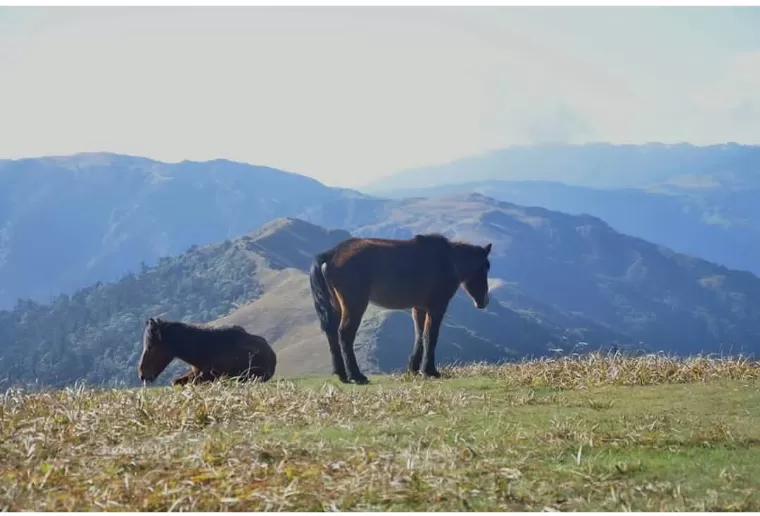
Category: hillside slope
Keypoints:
(718, 224)
(67, 222)
(579, 266)
(558, 282)
(285, 315)
(260, 282)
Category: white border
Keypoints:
(382, 3)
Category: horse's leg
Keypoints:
(185, 378)
(430, 340)
(333, 340)
(205, 376)
(415, 359)
(349, 324)
(339, 365)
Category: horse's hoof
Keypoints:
(360, 379)
(343, 379)
(433, 374)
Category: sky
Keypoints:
(347, 95)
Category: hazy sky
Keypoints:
(349, 94)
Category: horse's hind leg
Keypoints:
(349, 324)
(333, 340)
(432, 328)
(415, 359)
(339, 365)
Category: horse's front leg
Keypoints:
(415, 359)
(205, 376)
(186, 378)
(430, 340)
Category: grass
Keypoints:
(592, 433)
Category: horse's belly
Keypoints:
(391, 298)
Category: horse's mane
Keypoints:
(432, 237)
(198, 328)
(442, 239)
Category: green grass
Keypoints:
(593, 434)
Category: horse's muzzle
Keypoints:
(482, 304)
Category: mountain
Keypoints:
(600, 165)
(67, 222)
(259, 281)
(579, 265)
(717, 224)
(558, 282)
(285, 315)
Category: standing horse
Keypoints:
(212, 352)
(421, 273)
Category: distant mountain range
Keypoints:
(67, 222)
(597, 165)
(701, 201)
(719, 225)
(560, 282)
(92, 244)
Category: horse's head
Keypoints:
(475, 281)
(155, 356)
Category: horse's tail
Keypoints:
(329, 319)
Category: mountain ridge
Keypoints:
(727, 223)
(558, 282)
(599, 164)
(103, 214)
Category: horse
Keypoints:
(211, 352)
(422, 273)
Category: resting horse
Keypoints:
(421, 273)
(212, 352)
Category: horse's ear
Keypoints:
(150, 321)
(488, 249)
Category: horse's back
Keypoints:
(393, 273)
(252, 355)
(355, 249)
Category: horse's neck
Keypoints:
(461, 261)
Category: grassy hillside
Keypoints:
(258, 281)
(574, 270)
(599, 433)
(559, 282)
(96, 334)
(284, 314)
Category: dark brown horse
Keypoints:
(422, 273)
(212, 352)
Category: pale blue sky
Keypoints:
(349, 94)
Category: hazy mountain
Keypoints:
(66, 222)
(558, 281)
(579, 265)
(259, 281)
(599, 165)
(721, 225)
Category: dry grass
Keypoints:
(568, 434)
(597, 369)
